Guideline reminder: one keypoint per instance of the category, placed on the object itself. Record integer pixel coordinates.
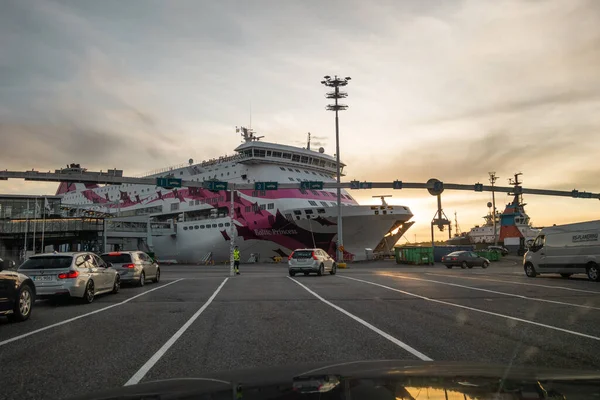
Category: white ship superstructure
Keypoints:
(267, 223)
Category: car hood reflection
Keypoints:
(389, 379)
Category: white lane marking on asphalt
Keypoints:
(476, 309)
(495, 292)
(139, 375)
(517, 283)
(368, 325)
(84, 315)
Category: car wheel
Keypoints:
(117, 284)
(485, 264)
(449, 266)
(89, 294)
(142, 281)
(593, 272)
(566, 275)
(22, 309)
(530, 271)
(292, 273)
(321, 270)
(464, 265)
(333, 269)
(469, 266)
(157, 277)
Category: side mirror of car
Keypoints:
(109, 265)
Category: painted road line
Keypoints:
(7, 341)
(494, 291)
(139, 375)
(517, 283)
(389, 337)
(476, 309)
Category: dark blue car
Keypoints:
(17, 293)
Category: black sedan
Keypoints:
(464, 259)
(17, 294)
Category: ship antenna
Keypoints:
(308, 145)
(517, 192)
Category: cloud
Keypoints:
(448, 89)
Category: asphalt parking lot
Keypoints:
(199, 320)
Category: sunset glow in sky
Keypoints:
(444, 89)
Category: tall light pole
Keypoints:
(493, 179)
(336, 83)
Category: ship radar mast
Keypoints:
(382, 197)
(518, 191)
(248, 134)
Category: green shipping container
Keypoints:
(414, 255)
(490, 255)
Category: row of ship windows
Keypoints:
(306, 172)
(256, 207)
(208, 226)
(289, 156)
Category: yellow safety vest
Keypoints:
(236, 255)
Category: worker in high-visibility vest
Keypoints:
(236, 260)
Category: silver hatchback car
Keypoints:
(82, 274)
(133, 266)
(311, 260)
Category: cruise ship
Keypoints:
(266, 224)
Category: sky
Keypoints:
(440, 89)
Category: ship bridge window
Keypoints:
(185, 228)
(281, 168)
(324, 203)
(214, 225)
(276, 154)
(321, 163)
(325, 193)
(291, 179)
(321, 211)
(268, 153)
(220, 225)
(297, 170)
(296, 158)
(308, 212)
(315, 192)
(270, 206)
(287, 155)
(227, 224)
(297, 212)
(291, 170)
(259, 153)
(201, 226)
(314, 161)
(304, 160)
(263, 206)
(312, 203)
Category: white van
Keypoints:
(565, 250)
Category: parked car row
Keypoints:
(82, 275)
